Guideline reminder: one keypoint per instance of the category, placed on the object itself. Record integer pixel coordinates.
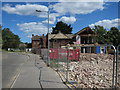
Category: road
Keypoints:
(28, 71)
(11, 64)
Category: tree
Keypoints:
(108, 37)
(63, 27)
(28, 45)
(10, 40)
(102, 33)
(114, 36)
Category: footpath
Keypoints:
(35, 74)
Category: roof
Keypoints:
(37, 37)
(60, 36)
(84, 29)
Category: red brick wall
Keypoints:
(35, 43)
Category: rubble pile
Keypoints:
(92, 71)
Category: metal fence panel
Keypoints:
(117, 80)
(85, 66)
(95, 69)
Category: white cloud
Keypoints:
(68, 20)
(107, 23)
(77, 7)
(80, 0)
(28, 9)
(52, 18)
(60, 8)
(33, 28)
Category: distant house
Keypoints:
(86, 37)
(58, 40)
(38, 41)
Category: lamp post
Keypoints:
(48, 34)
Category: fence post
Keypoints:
(117, 53)
(67, 64)
(113, 66)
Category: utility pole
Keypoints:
(48, 34)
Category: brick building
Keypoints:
(85, 37)
(38, 41)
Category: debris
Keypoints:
(93, 70)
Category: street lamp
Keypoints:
(48, 34)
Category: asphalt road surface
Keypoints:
(11, 64)
(28, 71)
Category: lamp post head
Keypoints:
(38, 11)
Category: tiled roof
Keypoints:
(37, 37)
(60, 36)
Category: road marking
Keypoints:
(16, 76)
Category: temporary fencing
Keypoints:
(95, 69)
(85, 66)
(117, 80)
(59, 59)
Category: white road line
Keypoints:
(16, 77)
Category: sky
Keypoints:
(23, 20)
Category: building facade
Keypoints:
(86, 37)
(38, 41)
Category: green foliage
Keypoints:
(28, 45)
(22, 48)
(114, 36)
(108, 37)
(10, 40)
(63, 27)
(101, 32)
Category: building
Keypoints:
(58, 40)
(86, 37)
(38, 41)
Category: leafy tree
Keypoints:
(114, 36)
(10, 40)
(109, 37)
(63, 27)
(28, 45)
(22, 46)
(101, 32)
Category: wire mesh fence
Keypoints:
(84, 66)
(118, 67)
(94, 69)
(58, 60)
